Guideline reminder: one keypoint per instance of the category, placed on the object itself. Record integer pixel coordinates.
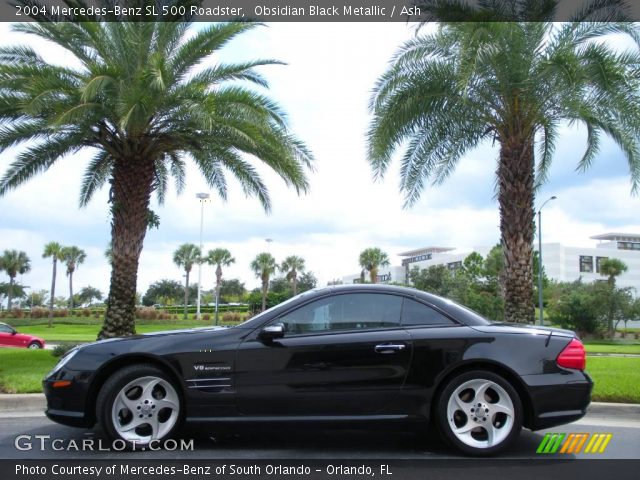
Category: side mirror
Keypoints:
(272, 332)
(13, 332)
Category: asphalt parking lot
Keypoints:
(305, 443)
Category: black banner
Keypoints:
(319, 10)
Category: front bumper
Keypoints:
(68, 405)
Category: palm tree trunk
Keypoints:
(131, 191)
(295, 283)
(218, 280)
(186, 295)
(515, 196)
(71, 292)
(10, 294)
(373, 275)
(265, 290)
(53, 290)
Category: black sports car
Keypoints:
(339, 354)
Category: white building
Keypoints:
(561, 262)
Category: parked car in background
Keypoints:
(349, 354)
(10, 337)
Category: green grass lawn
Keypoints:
(22, 370)
(616, 379)
(612, 348)
(88, 333)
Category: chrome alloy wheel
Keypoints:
(145, 409)
(480, 413)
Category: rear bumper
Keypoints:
(557, 399)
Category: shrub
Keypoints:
(61, 349)
(147, 313)
(206, 317)
(17, 313)
(231, 317)
(39, 312)
(86, 312)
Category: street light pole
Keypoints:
(202, 197)
(540, 307)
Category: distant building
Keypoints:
(561, 262)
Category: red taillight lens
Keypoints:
(573, 355)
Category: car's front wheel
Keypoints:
(480, 413)
(139, 404)
(34, 346)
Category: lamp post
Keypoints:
(540, 258)
(203, 198)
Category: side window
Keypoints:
(416, 313)
(5, 329)
(345, 312)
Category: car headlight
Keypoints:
(63, 361)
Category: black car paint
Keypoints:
(231, 375)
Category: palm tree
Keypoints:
(220, 257)
(514, 83)
(612, 268)
(53, 250)
(146, 98)
(72, 257)
(186, 256)
(371, 259)
(14, 263)
(264, 265)
(293, 265)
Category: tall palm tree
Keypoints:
(371, 259)
(14, 263)
(220, 257)
(72, 257)
(264, 265)
(514, 83)
(146, 97)
(293, 265)
(186, 256)
(53, 250)
(612, 268)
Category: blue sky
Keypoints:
(325, 89)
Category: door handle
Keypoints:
(389, 348)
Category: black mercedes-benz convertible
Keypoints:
(353, 353)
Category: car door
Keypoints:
(341, 355)
(7, 337)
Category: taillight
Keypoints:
(573, 355)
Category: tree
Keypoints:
(146, 97)
(14, 263)
(38, 298)
(53, 250)
(292, 265)
(307, 281)
(264, 265)
(232, 290)
(186, 256)
(162, 289)
(612, 268)
(473, 266)
(513, 82)
(72, 257)
(88, 294)
(371, 259)
(220, 257)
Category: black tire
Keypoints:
(113, 387)
(480, 433)
(35, 346)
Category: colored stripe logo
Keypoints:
(573, 443)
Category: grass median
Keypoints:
(616, 379)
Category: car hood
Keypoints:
(522, 328)
(160, 333)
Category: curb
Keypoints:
(22, 402)
(36, 402)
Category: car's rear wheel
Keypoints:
(34, 346)
(139, 404)
(480, 413)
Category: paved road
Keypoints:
(306, 443)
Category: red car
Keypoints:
(9, 337)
